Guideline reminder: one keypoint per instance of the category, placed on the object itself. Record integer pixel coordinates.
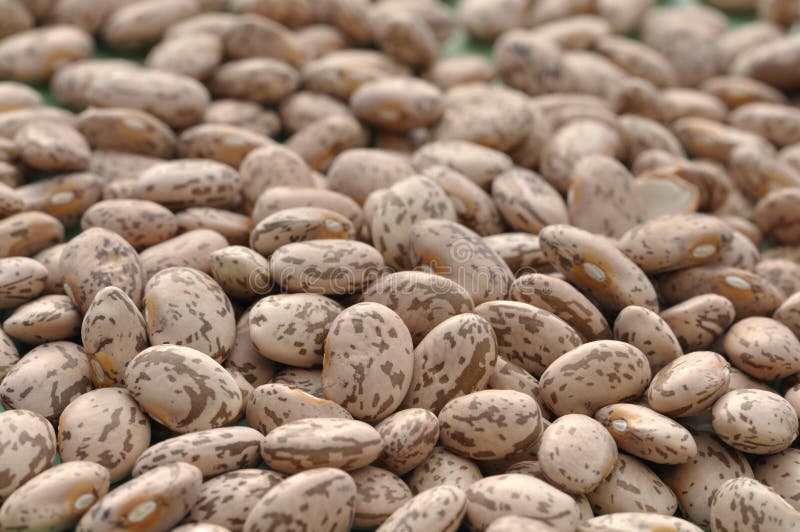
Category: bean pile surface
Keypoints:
(299, 268)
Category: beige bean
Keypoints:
(33, 385)
(763, 348)
(29, 447)
(227, 499)
(633, 487)
(56, 498)
(323, 497)
(156, 500)
(186, 307)
(647, 434)
(463, 345)
(343, 443)
(470, 424)
(700, 320)
(192, 249)
(142, 223)
(751, 294)
(113, 333)
(597, 267)
(211, 399)
(514, 494)
(745, 496)
(689, 384)
(21, 280)
(449, 501)
(755, 421)
(623, 369)
(34, 55)
(106, 427)
(45, 319)
(128, 130)
(565, 301)
(272, 405)
(361, 370)
(443, 468)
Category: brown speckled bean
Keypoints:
(599, 176)
(442, 468)
(751, 294)
(177, 100)
(128, 130)
(190, 182)
(113, 332)
(66, 196)
(9, 355)
(526, 335)
(689, 384)
(755, 421)
(322, 497)
(676, 242)
(35, 54)
(515, 494)
(46, 319)
(636, 521)
(378, 494)
(240, 271)
(47, 379)
(647, 331)
(368, 362)
(157, 501)
(633, 487)
(184, 306)
(450, 503)
(142, 223)
(623, 370)
(597, 267)
(397, 104)
(647, 434)
(104, 426)
(562, 299)
(298, 224)
(700, 320)
(471, 424)
(527, 202)
(52, 146)
(576, 465)
(27, 447)
(463, 346)
(331, 267)
(21, 279)
(247, 115)
(479, 163)
(272, 405)
(740, 497)
(453, 251)
(209, 396)
(695, 482)
(763, 348)
(781, 472)
(212, 451)
(98, 258)
(192, 249)
(235, 227)
(291, 328)
(320, 142)
(409, 437)
(227, 499)
(57, 498)
(344, 443)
